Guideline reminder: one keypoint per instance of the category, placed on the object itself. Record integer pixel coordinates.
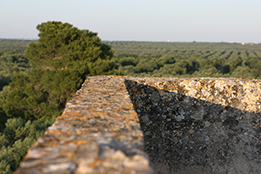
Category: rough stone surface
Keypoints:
(194, 125)
(98, 132)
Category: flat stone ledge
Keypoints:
(102, 129)
(242, 94)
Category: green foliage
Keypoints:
(128, 61)
(159, 59)
(62, 46)
(146, 65)
(225, 69)
(167, 60)
(101, 67)
(17, 137)
(219, 63)
(3, 118)
(245, 72)
(12, 63)
(62, 59)
(234, 63)
(254, 63)
(186, 50)
(207, 71)
(4, 80)
(28, 99)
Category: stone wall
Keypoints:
(154, 125)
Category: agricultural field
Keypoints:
(167, 59)
(161, 59)
(187, 50)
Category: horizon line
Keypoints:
(168, 41)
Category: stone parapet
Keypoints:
(98, 132)
(154, 125)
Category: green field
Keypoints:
(188, 50)
(174, 59)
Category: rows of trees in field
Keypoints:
(165, 59)
(43, 79)
(187, 50)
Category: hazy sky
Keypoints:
(139, 20)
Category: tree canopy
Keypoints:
(62, 59)
(62, 46)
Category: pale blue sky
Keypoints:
(139, 20)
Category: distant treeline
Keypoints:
(13, 45)
(198, 66)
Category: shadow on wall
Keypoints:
(186, 135)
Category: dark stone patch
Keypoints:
(230, 122)
(186, 135)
